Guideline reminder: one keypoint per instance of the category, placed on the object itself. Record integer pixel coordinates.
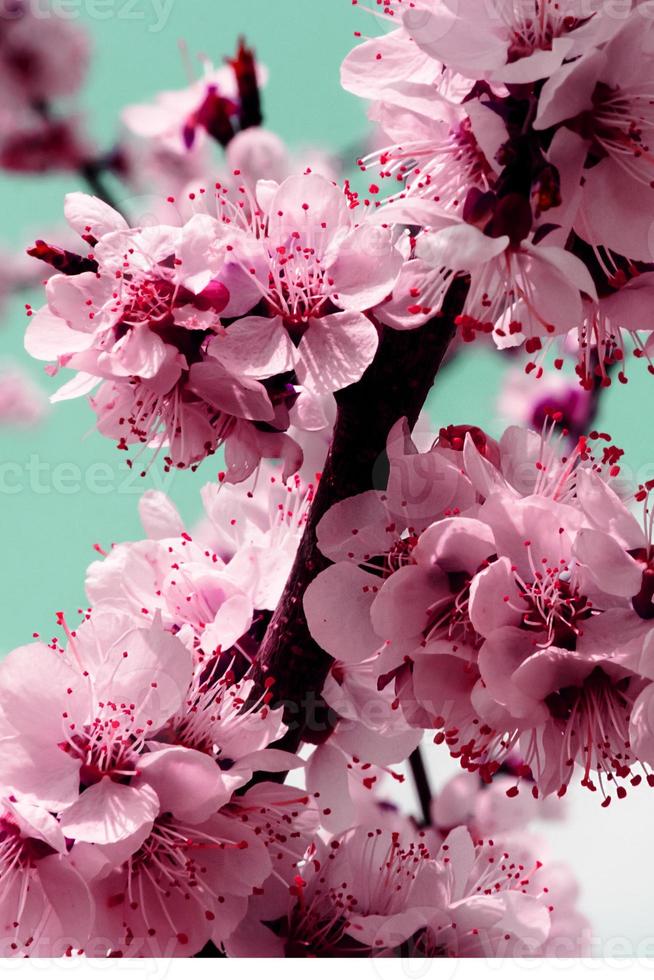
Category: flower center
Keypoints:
(594, 720)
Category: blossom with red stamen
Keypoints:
(126, 321)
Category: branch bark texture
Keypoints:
(395, 385)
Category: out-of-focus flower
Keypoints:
(523, 401)
(43, 56)
(22, 402)
(218, 105)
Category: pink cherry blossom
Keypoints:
(235, 753)
(210, 106)
(22, 402)
(518, 291)
(46, 905)
(129, 319)
(492, 904)
(317, 271)
(44, 56)
(74, 750)
(176, 886)
(511, 44)
(604, 98)
(436, 150)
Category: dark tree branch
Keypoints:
(92, 174)
(395, 385)
(421, 781)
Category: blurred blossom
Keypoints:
(530, 402)
(22, 402)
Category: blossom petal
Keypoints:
(89, 215)
(108, 812)
(335, 351)
(255, 346)
(365, 267)
(187, 783)
(337, 606)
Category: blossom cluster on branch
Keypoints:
(215, 759)
(134, 826)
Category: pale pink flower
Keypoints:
(176, 885)
(365, 893)
(257, 529)
(22, 402)
(75, 723)
(530, 607)
(187, 586)
(511, 43)
(375, 890)
(316, 270)
(436, 150)
(43, 56)
(490, 902)
(371, 735)
(209, 587)
(485, 809)
(380, 67)
(46, 907)
(180, 119)
(221, 731)
(126, 317)
(191, 877)
(605, 98)
(520, 292)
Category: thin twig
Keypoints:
(92, 174)
(421, 781)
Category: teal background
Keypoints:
(47, 534)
